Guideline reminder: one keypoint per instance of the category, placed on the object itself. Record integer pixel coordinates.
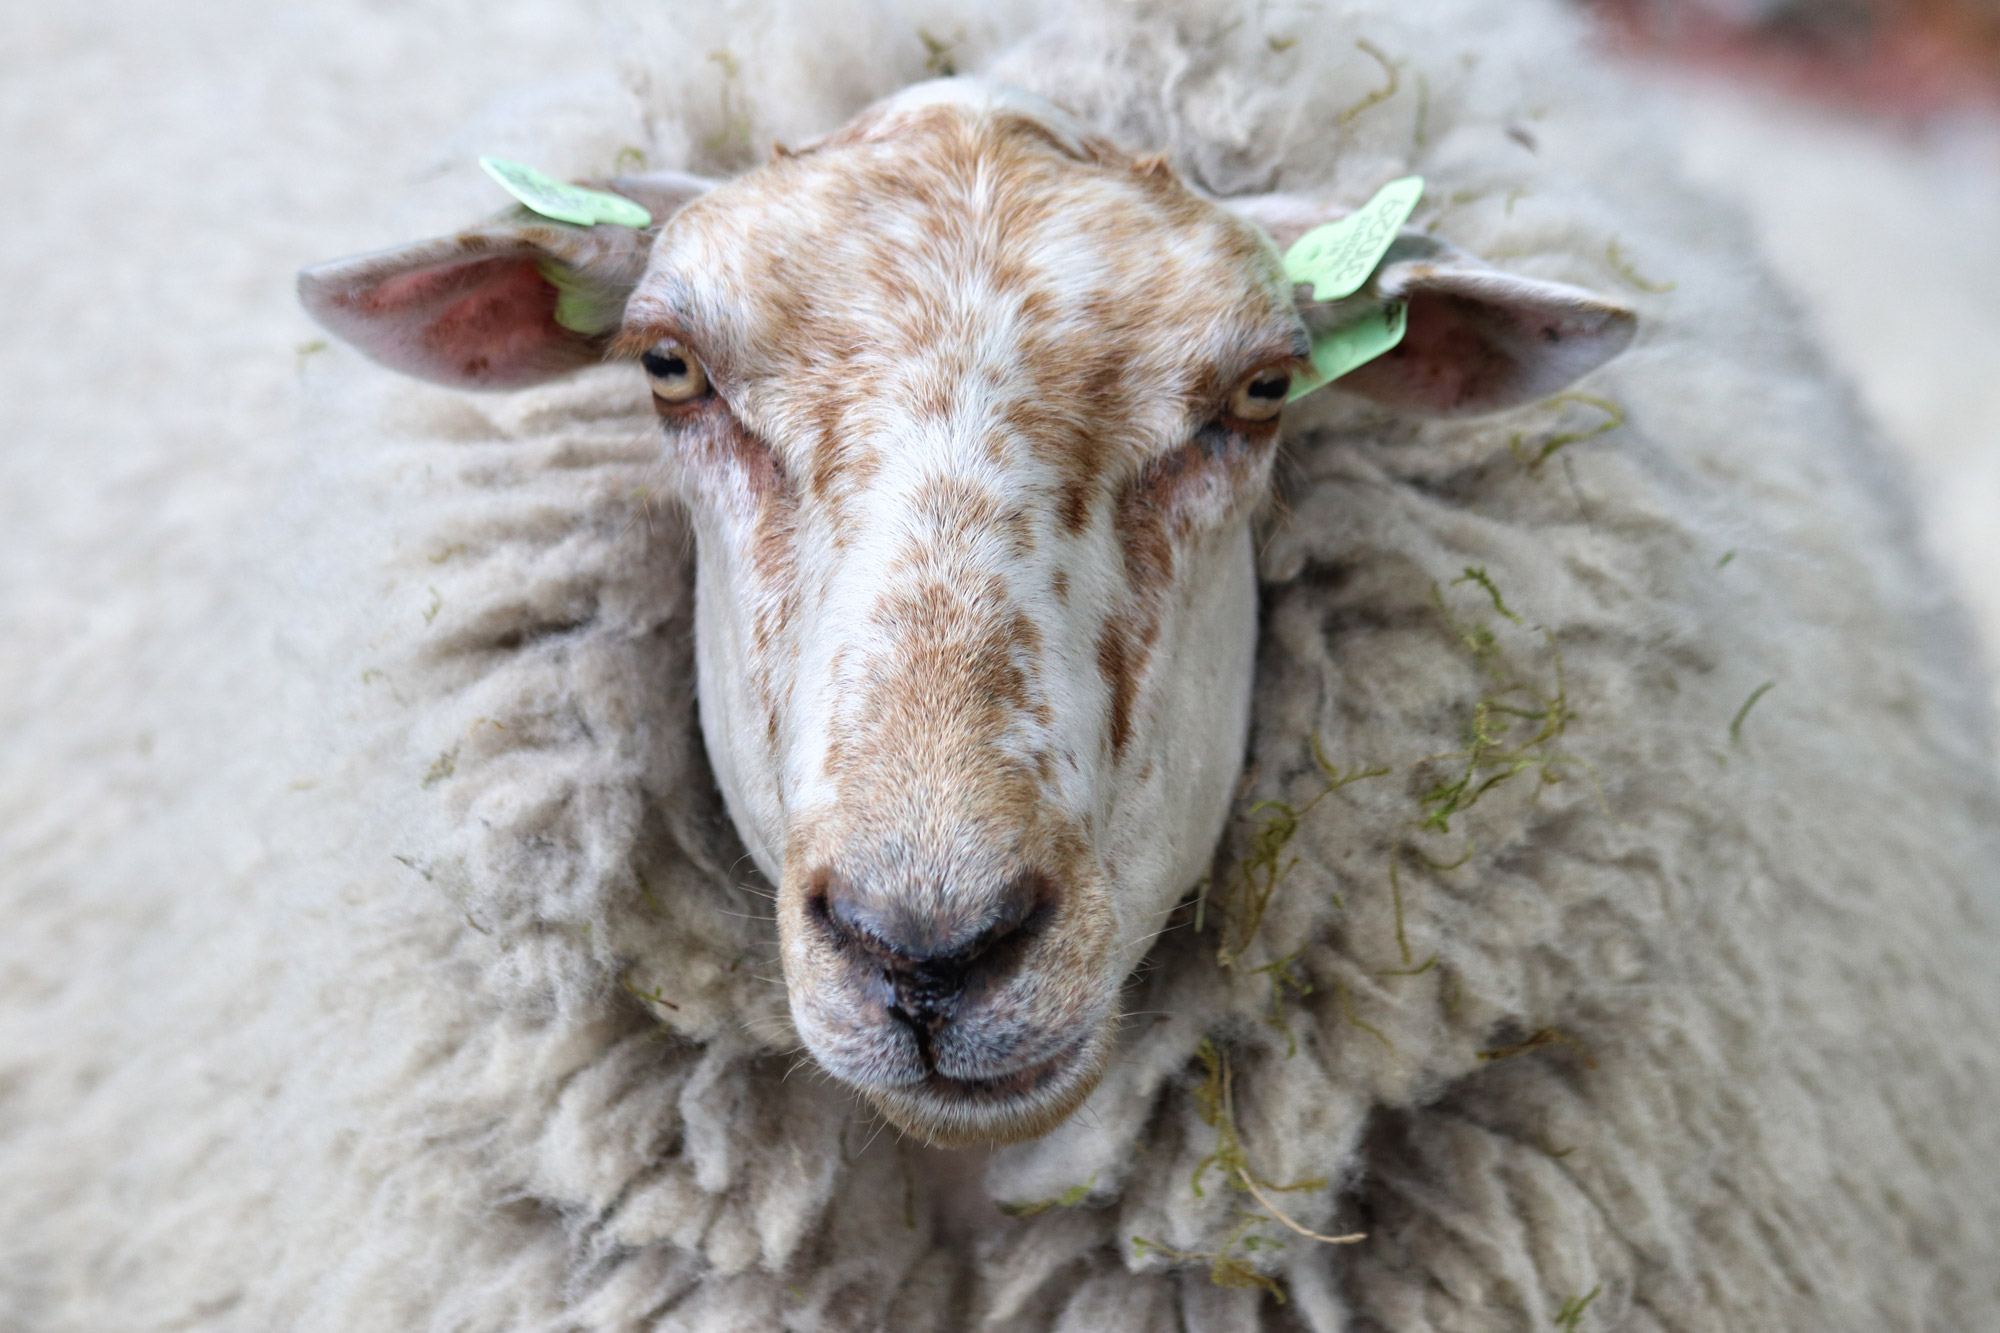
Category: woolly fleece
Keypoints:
(481, 1028)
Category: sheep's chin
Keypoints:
(947, 1113)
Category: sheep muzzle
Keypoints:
(964, 992)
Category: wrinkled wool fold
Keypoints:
(1531, 953)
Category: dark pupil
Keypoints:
(1273, 387)
(664, 367)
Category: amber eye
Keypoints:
(673, 373)
(1262, 396)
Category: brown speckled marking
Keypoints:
(968, 428)
(1078, 399)
(1119, 661)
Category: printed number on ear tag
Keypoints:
(1338, 257)
(565, 203)
(1352, 346)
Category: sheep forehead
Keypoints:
(972, 264)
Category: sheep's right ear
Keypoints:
(511, 302)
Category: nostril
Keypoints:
(846, 915)
(821, 897)
(1029, 902)
(931, 948)
(933, 931)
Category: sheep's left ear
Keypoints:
(1477, 339)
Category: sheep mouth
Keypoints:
(1007, 1108)
(1020, 1083)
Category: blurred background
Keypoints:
(1863, 136)
(170, 167)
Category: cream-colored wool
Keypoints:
(1690, 1017)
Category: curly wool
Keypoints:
(1597, 991)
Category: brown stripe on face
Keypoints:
(937, 701)
(773, 551)
(1024, 637)
(955, 648)
(1143, 539)
(1144, 522)
(1121, 660)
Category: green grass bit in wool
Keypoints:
(1069, 1198)
(1410, 968)
(402, 1081)
(441, 768)
(1477, 574)
(1392, 68)
(1621, 264)
(1225, 1269)
(1532, 457)
(1346, 998)
(1537, 1039)
(1570, 1316)
(1283, 980)
(1214, 1100)
(1264, 867)
(1736, 723)
(1495, 751)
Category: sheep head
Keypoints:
(970, 411)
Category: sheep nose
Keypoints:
(932, 957)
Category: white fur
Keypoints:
(262, 1075)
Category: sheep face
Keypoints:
(971, 413)
(970, 410)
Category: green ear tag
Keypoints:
(1352, 346)
(580, 306)
(1338, 257)
(565, 203)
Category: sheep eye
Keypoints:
(1261, 397)
(673, 373)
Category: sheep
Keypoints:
(969, 412)
(1596, 928)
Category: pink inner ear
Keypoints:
(487, 322)
(1453, 359)
(1481, 341)
(491, 321)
